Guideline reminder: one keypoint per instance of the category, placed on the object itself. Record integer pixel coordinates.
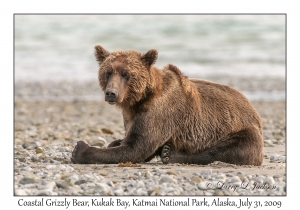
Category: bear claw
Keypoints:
(165, 154)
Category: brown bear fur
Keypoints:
(165, 113)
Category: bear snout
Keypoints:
(111, 95)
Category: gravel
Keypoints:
(47, 130)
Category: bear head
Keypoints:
(125, 76)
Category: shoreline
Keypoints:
(255, 88)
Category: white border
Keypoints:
(8, 8)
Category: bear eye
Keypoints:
(125, 75)
(108, 74)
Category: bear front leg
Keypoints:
(77, 156)
(140, 144)
(85, 154)
(119, 141)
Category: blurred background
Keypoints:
(244, 51)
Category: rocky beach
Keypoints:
(50, 117)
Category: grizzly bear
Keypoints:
(165, 113)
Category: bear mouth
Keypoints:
(111, 102)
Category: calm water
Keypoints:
(59, 47)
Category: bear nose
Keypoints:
(111, 93)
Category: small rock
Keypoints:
(184, 170)
(208, 193)
(196, 179)
(69, 169)
(167, 179)
(278, 158)
(269, 180)
(39, 150)
(74, 190)
(190, 188)
(203, 185)
(155, 190)
(61, 167)
(148, 174)
(235, 179)
(55, 162)
(49, 185)
(61, 185)
(280, 142)
(29, 145)
(102, 188)
(171, 173)
(220, 177)
(219, 193)
(276, 176)
(27, 168)
(206, 172)
(45, 192)
(79, 182)
(57, 135)
(23, 160)
(139, 184)
(20, 192)
(50, 167)
(138, 174)
(94, 129)
(268, 143)
(63, 149)
(242, 177)
(27, 180)
(100, 142)
(119, 191)
(106, 131)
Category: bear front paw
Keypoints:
(77, 156)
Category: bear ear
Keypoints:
(149, 57)
(100, 53)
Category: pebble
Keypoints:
(196, 179)
(269, 143)
(61, 185)
(29, 145)
(203, 185)
(148, 174)
(278, 158)
(22, 160)
(39, 150)
(119, 191)
(49, 167)
(100, 142)
(27, 180)
(206, 172)
(269, 180)
(102, 188)
(20, 192)
(167, 179)
(45, 192)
